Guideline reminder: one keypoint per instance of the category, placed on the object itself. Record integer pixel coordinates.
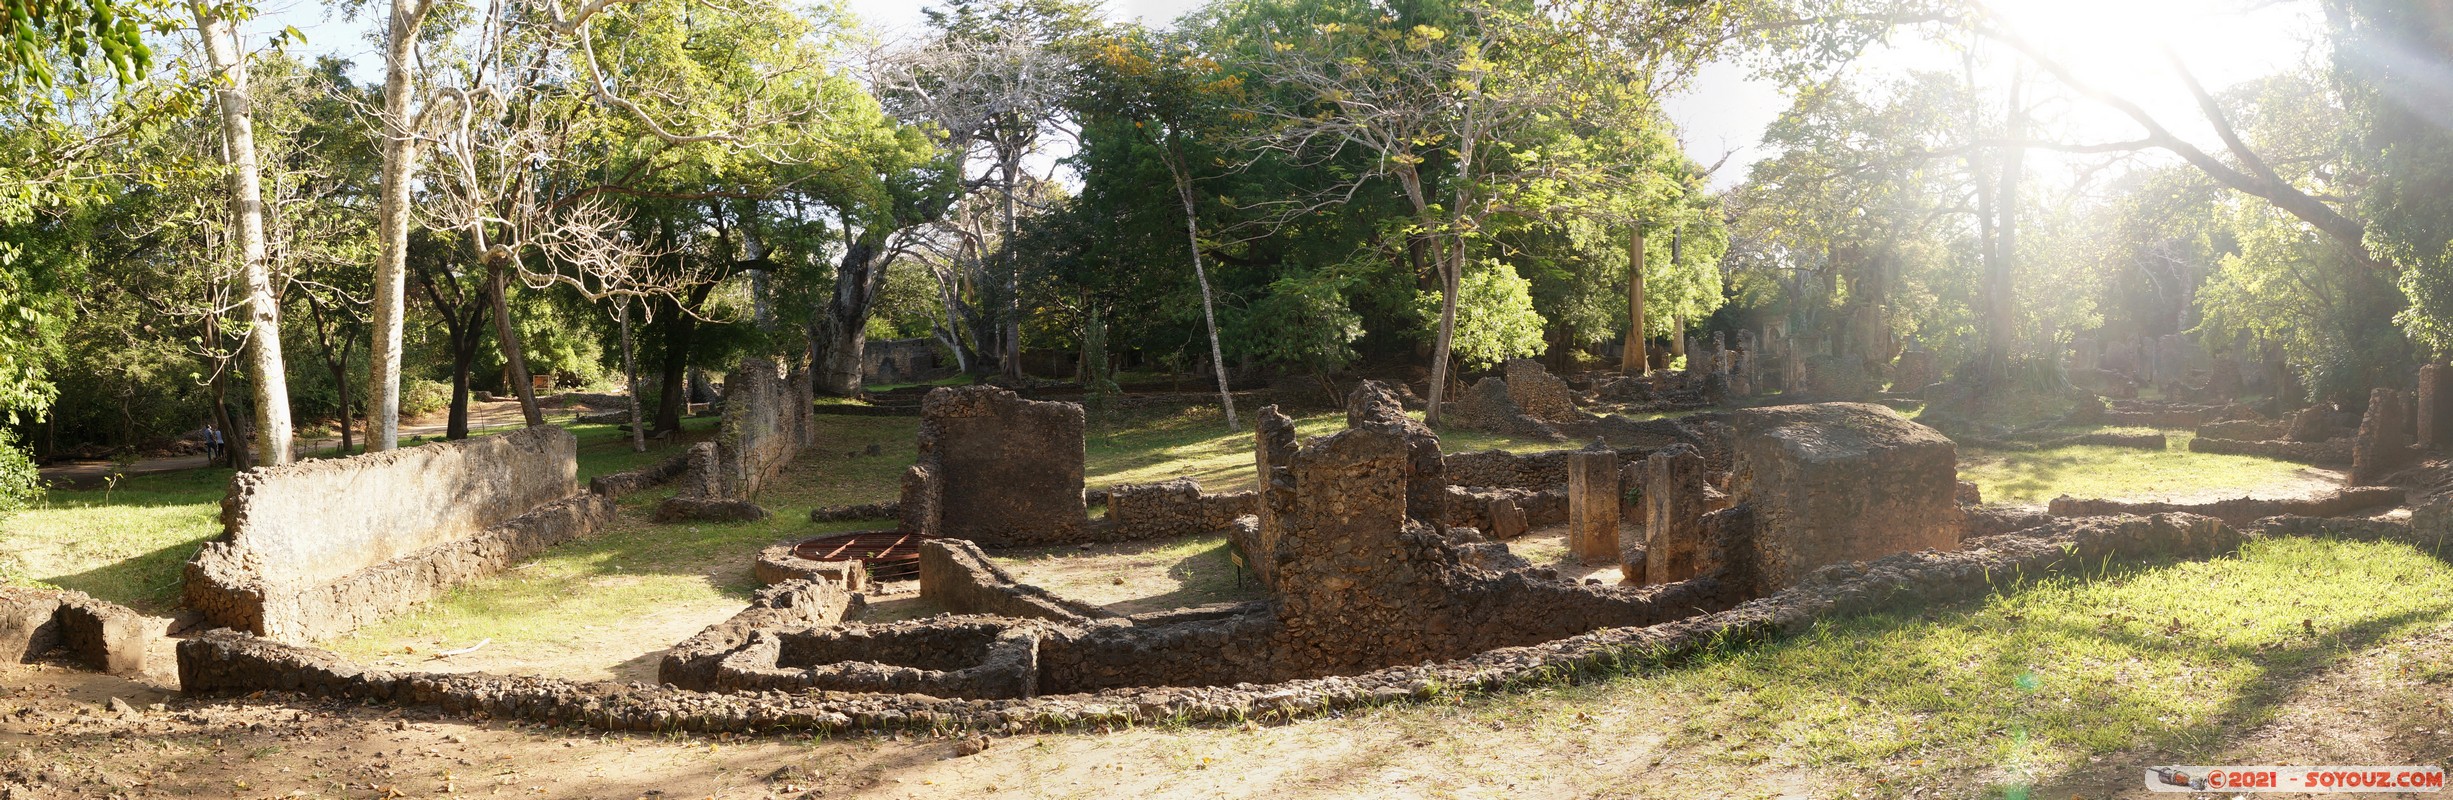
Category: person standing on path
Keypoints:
(212, 444)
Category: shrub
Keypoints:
(420, 396)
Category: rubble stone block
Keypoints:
(1592, 505)
(1676, 495)
(2384, 437)
(106, 637)
(1540, 394)
(1507, 520)
(27, 625)
(1831, 483)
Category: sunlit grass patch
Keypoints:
(2022, 688)
(126, 544)
(2090, 471)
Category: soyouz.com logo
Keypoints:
(2295, 779)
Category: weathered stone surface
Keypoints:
(1486, 406)
(791, 605)
(1676, 493)
(2383, 444)
(997, 469)
(28, 624)
(1837, 482)
(2333, 452)
(2435, 405)
(956, 576)
(1538, 393)
(1914, 371)
(288, 522)
(1174, 508)
(2253, 430)
(2313, 424)
(766, 423)
(1373, 405)
(1479, 508)
(105, 636)
(1592, 505)
(778, 564)
(1508, 521)
(415, 522)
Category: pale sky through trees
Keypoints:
(2116, 43)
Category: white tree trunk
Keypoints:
(1192, 239)
(272, 393)
(392, 228)
(630, 378)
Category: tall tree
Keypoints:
(271, 384)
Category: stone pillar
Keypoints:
(1592, 505)
(2436, 405)
(2384, 437)
(1674, 502)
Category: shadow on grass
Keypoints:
(150, 582)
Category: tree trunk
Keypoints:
(2001, 288)
(392, 225)
(463, 357)
(1012, 328)
(1632, 358)
(271, 384)
(1209, 314)
(515, 355)
(842, 326)
(680, 331)
(340, 380)
(1451, 278)
(630, 377)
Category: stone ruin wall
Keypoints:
(295, 565)
(997, 469)
(102, 636)
(1174, 508)
(225, 662)
(958, 577)
(766, 424)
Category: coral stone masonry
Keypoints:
(997, 469)
(1831, 483)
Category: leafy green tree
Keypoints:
(1496, 320)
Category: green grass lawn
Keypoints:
(2155, 663)
(2089, 471)
(125, 544)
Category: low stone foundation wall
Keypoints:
(889, 509)
(226, 662)
(693, 663)
(779, 564)
(615, 485)
(1175, 508)
(1482, 510)
(956, 576)
(986, 659)
(2328, 453)
(320, 547)
(107, 637)
(310, 612)
(2239, 510)
(1500, 469)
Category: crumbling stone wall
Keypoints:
(1538, 393)
(2384, 438)
(2335, 452)
(1676, 494)
(979, 658)
(1373, 405)
(1174, 508)
(320, 547)
(102, 636)
(959, 578)
(766, 423)
(791, 605)
(2239, 510)
(224, 662)
(1485, 510)
(1830, 483)
(997, 469)
(1487, 406)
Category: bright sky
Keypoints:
(2117, 43)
